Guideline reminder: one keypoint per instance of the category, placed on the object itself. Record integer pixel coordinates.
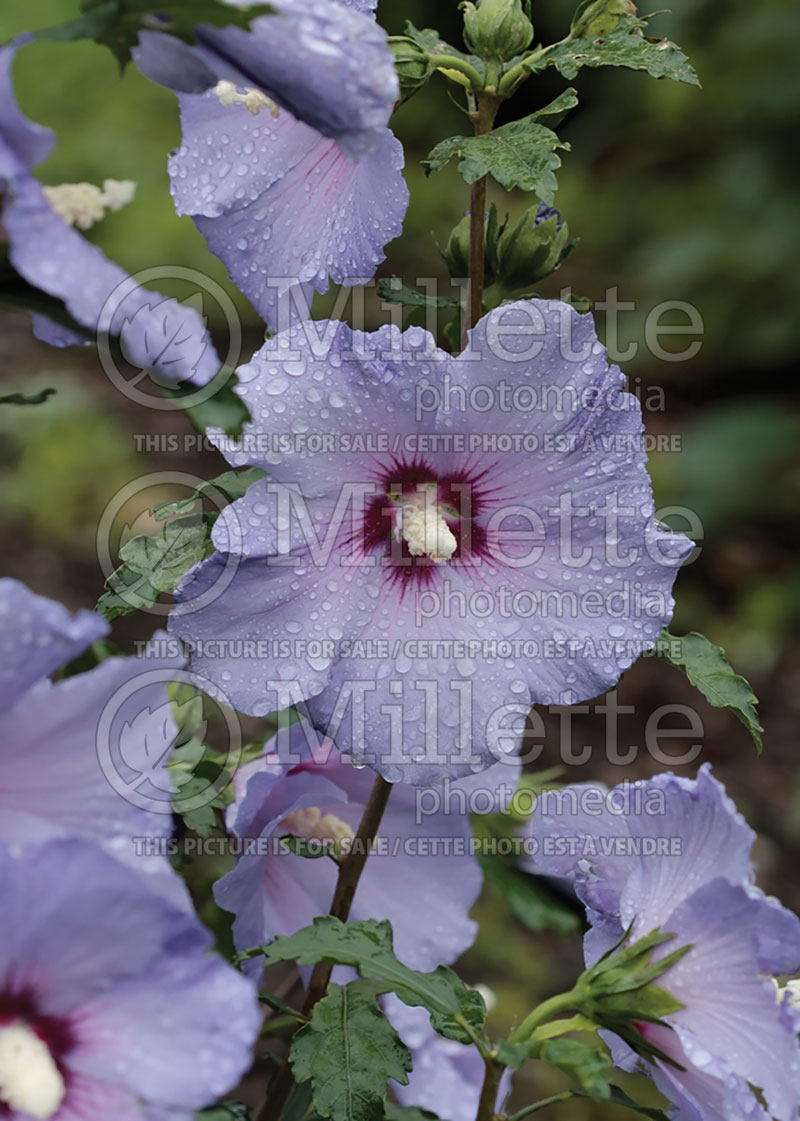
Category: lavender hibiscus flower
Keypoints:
(52, 782)
(45, 248)
(325, 61)
(673, 853)
(422, 875)
(110, 1004)
(297, 109)
(442, 541)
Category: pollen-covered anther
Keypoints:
(83, 204)
(252, 99)
(30, 1081)
(313, 824)
(425, 530)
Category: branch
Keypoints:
(350, 871)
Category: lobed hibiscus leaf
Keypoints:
(349, 1051)
(230, 485)
(521, 154)
(155, 563)
(586, 1063)
(116, 24)
(393, 291)
(708, 670)
(456, 1011)
(162, 558)
(622, 45)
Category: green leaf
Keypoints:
(231, 484)
(152, 564)
(116, 23)
(367, 946)
(708, 670)
(163, 557)
(224, 409)
(349, 1051)
(408, 1113)
(529, 898)
(585, 1063)
(624, 45)
(91, 657)
(298, 1108)
(20, 398)
(155, 563)
(620, 1098)
(559, 106)
(521, 154)
(226, 1111)
(393, 291)
(126, 592)
(433, 43)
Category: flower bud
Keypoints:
(598, 17)
(497, 29)
(456, 255)
(413, 64)
(533, 247)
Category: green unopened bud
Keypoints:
(456, 255)
(597, 17)
(532, 248)
(497, 29)
(413, 64)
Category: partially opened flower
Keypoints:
(441, 541)
(298, 111)
(47, 250)
(674, 854)
(421, 875)
(281, 204)
(327, 62)
(111, 1005)
(58, 768)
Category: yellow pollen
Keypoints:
(253, 100)
(30, 1081)
(313, 824)
(425, 531)
(83, 204)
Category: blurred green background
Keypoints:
(676, 194)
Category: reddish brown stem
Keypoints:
(349, 874)
(483, 120)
